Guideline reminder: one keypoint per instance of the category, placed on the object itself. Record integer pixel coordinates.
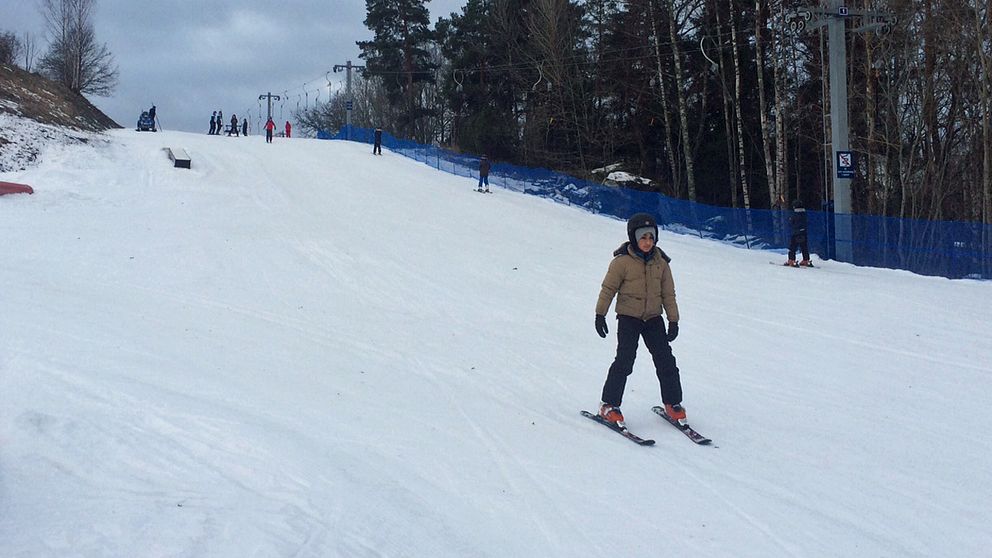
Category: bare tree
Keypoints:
(10, 48)
(30, 51)
(781, 107)
(74, 58)
(553, 31)
(766, 136)
(983, 40)
(680, 81)
(663, 97)
(737, 108)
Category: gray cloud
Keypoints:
(191, 57)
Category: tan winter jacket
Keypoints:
(642, 288)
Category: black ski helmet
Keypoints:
(639, 220)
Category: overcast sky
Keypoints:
(191, 57)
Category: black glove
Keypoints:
(673, 331)
(601, 328)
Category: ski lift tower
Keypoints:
(349, 102)
(270, 97)
(835, 18)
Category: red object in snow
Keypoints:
(14, 188)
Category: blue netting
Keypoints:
(942, 248)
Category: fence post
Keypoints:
(747, 227)
(695, 219)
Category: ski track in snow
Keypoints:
(297, 350)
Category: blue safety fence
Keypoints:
(941, 248)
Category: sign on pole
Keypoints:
(845, 164)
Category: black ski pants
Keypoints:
(629, 331)
(800, 241)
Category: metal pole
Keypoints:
(836, 36)
(349, 99)
(835, 17)
(269, 96)
(348, 67)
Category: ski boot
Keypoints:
(611, 413)
(806, 263)
(677, 412)
(791, 263)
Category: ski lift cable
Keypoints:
(619, 55)
(540, 76)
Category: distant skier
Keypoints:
(289, 129)
(234, 126)
(484, 166)
(244, 127)
(799, 224)
(377, 146)
(269, 127)
(220, 122)
(641, 280)
(151, 114)
(213, 124)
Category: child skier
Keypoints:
(269, 127)
(799, 225)
(641, 280)
(484, 167)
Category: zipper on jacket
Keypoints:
(647, 291)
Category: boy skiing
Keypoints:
(484, 167)
(641, 280)
(799, 225)
(269, 127)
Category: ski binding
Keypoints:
(684, 428)
(622, 430)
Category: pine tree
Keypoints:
(479, 86)
(399, 55)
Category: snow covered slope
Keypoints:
(299, 349)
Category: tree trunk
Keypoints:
(669, 149)
(737, 109)
(930, 123)
(728, 107)
(871, 111)
(680, 86)
(983, 38)
(759, 62)
(781, 110)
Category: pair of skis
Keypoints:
(660, 411)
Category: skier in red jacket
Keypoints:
(269, 126)
(289, 129)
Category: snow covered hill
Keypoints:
(299, 349)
